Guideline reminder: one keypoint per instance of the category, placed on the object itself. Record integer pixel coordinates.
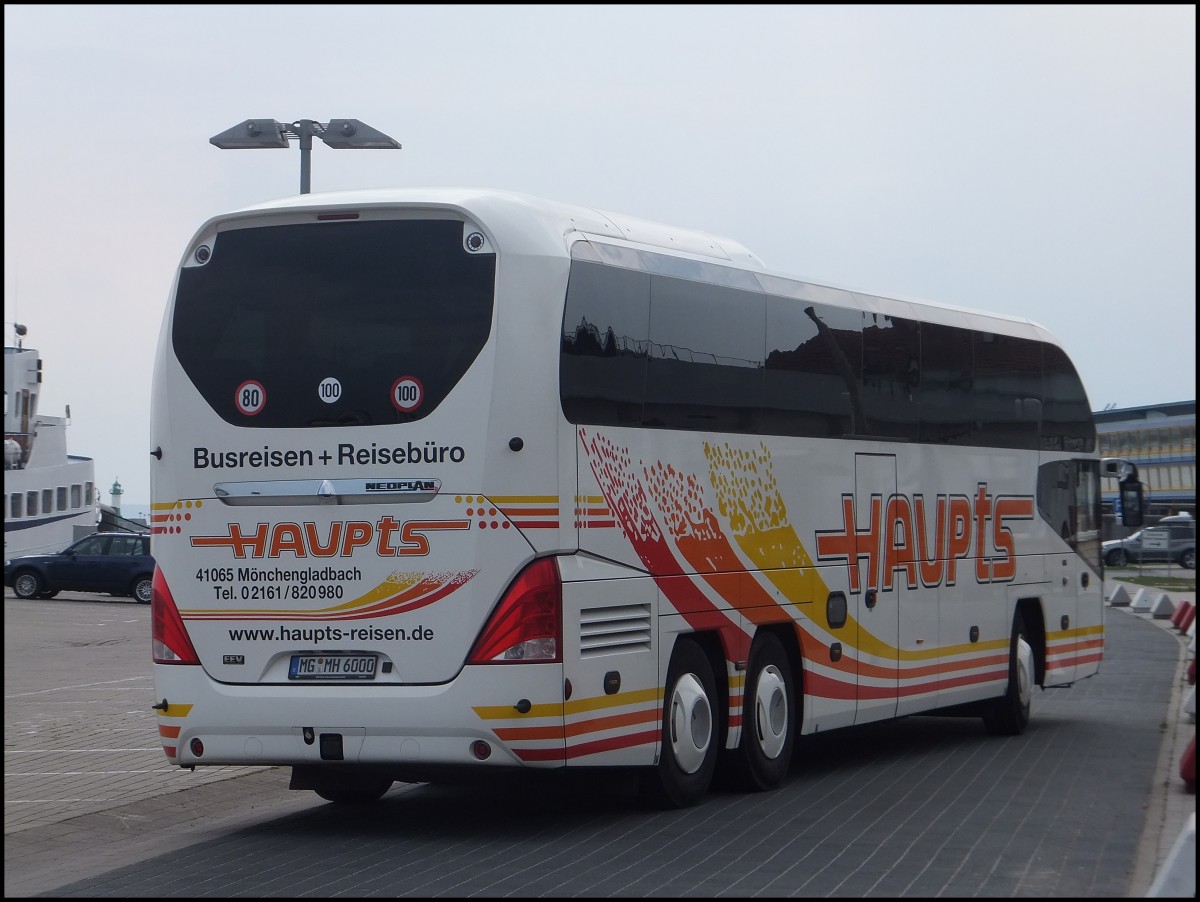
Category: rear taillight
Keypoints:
(526, 626)
(170, 641)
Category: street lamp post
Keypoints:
(336, 133)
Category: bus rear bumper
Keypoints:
(202, 722)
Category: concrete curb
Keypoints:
(1169, 872)
(1177, 879)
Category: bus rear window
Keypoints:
(333, 324)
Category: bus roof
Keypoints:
(546, 223)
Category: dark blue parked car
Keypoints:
(115, 562)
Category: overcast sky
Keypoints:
(1038, 161)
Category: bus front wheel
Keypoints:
(1009, 714)
(690, 733)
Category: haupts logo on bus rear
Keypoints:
(345, 454)
(387, 536)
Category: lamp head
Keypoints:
(252, 133)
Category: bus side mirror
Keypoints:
(1131, 502)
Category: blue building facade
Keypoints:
(1161, 440)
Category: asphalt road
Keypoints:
(1085, 804)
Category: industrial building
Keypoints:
(1161, 440)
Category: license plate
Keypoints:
(332, 667)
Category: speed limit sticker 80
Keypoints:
(407, 393)
(250, 397)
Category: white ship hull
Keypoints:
(50, 496)
(53, 530)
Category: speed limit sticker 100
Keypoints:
(250, 397)
(407, 393)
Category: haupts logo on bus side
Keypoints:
(345, 454)
(925, 540)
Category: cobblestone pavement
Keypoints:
(1087, 803)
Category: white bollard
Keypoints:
(1163, 608)
(1141, 601)
(1189, 705)
(1119, 597)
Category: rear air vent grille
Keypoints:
(615, 629)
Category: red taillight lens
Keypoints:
(526, 626)
(170, 641)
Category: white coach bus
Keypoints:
(458, 480)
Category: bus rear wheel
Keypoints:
(768, 718)
(690, 733)
(1009, 714)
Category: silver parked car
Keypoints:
(1171, 540)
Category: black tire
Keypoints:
(349, 789)
(27, 584)
(1009, 714)
(142, 588)
(690, 732)
(1117, 558)
(1187, 560)
(762, 759)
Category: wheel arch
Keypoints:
(1035, 634)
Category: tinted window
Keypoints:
(1067, 423)
(1008, 390)
(891, 377)
(705, 363)
(1068, 499)
(293, 307)
(813, 369)
(652, 341)
(96, 544)
(602, 368)
(127, 545)
(947, 404)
